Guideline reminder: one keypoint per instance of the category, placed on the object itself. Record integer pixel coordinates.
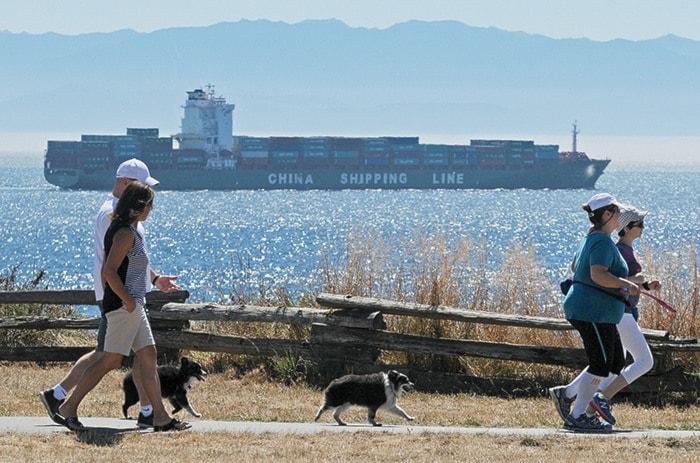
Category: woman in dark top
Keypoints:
(630, 228)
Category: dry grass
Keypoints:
(252, 398)
(351, 447)
(451, 271)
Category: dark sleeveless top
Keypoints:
(133, 270)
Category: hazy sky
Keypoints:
(599, 20)
(595, 19)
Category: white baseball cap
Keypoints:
(602, 200)
(133, 168)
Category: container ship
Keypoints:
(210, 157)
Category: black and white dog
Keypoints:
(375, 391)
(175, 381)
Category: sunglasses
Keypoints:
(638, 223)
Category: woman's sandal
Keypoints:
(173, 425)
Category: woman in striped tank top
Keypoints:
(124, 277)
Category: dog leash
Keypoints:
(661, 302)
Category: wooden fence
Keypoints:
(348, 331)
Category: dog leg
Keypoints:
(180, 401)
(175, 403)
(131, 395)
(192, 411)
(396, 410)
(323, 408)
(371, 415)
(338, 411)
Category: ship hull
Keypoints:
(563, 175)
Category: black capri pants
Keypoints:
(603, 347)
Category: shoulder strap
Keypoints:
(619, 297)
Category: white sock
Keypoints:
(572, 388)
(59, 393)
(587, 387)
(147, 410)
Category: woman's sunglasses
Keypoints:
(638, 223)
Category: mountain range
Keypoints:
(323, 77)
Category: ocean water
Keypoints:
(217, 241)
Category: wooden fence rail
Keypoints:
(349, 330)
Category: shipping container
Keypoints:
(311, 153)
(286, 144)
(346, 158)
(375, 144)
(412, 161)
(254, 154)
(378, 154)
(437, 149)
(317, 143)
(96, 138)
(346, 144)
(402, 140)
(377, 162)
(435, 161)
(547, 151)
(254, 143)
(143, 133)
(508, 144)
(158, 159)
(277, 155)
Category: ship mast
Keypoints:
(574, 132)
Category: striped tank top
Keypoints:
(132, 271)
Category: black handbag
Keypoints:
(565, 285)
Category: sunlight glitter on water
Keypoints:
(223, 242)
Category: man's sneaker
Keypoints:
(585, 423)
(145, 421)
(51, 403)
(561, 402)
(603, 407)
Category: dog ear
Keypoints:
(184, 361)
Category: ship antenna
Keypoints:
(574, 132)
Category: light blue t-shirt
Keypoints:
(589, 301)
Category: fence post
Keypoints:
(154, 303)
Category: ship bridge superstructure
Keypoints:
(207, 124)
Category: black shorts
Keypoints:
(603, 347)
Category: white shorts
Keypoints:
(128, 331)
